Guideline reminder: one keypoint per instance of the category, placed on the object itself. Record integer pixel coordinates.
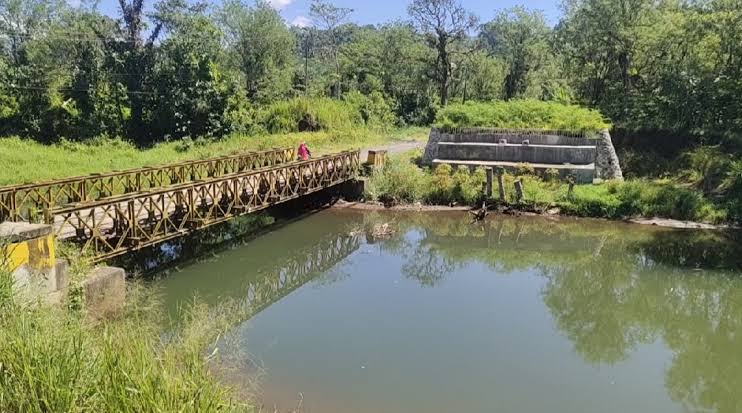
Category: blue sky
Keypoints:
(379, 11)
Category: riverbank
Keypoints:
(25, 160)
(402, 181)
(510, 211)
(55, 359)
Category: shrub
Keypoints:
(706, 168)
(468, 186)
(373, 109)
(442, 185)
(308, 115)
(524, 168)
(398, 181)
(521, 114)
(551, 175)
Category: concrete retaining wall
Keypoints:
(519, 139)
(546, 149)
(547, 154)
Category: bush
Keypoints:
(373, 109)
(398, 181)
(442, 185)
(521, 114)
(468, 186)
(308, 115)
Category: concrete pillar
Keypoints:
(488, 185)
(501, 184)
(431, 149)
(518, 191)
(606, 160)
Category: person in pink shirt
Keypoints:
(304, 152)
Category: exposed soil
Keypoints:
(553, 212)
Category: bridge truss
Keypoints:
(112, 226)
(36, 202)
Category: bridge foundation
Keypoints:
(28, 252)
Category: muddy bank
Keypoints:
(551, 212)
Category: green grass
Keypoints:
(56, 360)
(402, 181)
(25, 160)
(522, 114)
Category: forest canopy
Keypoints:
(189, 69)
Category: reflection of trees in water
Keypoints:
(694, 249)
(612, 287)
(426, 265)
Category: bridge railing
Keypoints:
(113, 226)
(34, 202)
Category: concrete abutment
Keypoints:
(28, 252)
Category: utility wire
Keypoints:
(131, 92)
(68, 36)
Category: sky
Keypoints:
(378, 11)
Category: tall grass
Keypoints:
(54, 360)
(522, 114)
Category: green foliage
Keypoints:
(261, 48)
(55, 360)
(520, 38)
(522, 114)
(373, 108)
(399, 181)
(191, 94)
(306, 115)
(641, 198)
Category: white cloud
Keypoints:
(301, 21)
(280, 4)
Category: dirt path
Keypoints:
(394, 148)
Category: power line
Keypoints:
(44, 89)
(68, 36)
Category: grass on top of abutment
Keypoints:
(25, 160)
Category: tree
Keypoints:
(446, 25)
(330, 18)
(520, 38)
(262, 47)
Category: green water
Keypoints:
(514, 315)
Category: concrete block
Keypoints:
(105, 292)
(14, 232)
(521, 152)
(61, 274)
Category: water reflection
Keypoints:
(613, 287)
(608, 287)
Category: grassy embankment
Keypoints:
(334, 126)
(58, 360)
(404, 182)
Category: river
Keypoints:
(510, 315)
